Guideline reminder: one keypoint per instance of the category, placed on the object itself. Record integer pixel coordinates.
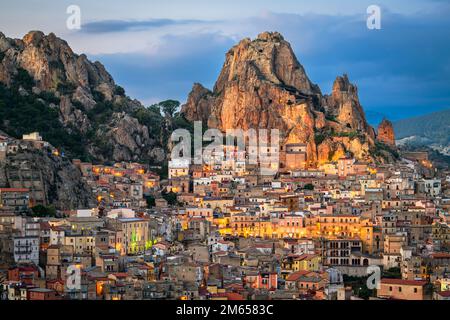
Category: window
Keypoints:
(415, 290)
(399, 289)
(390, 288)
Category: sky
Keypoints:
(156, 50)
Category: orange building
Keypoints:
(42, 294)
(402, 289)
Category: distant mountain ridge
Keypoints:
(433, 128)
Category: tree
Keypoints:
(169, 107)
(359, 286)
(150, 201)
(180, 122)
(392, 273)
(23, 79)
(43, 211)
(118, 90)
(170, 197)
(309, 186)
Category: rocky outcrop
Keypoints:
(386, 133)
(69, 115)
(53, 179)
(89, 100)
(51, 62)
(128, 138)
(200, 101)
(262, 85)
(343, 104)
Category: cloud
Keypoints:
(401, 70)
(170, 71)
(109, 26)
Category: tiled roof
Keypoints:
(13, 190)
(297, 275)
(403, 282)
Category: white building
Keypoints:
(34, 136)
(431, 187)
(178, 168)
(136, 191)
(26, 249)
(3, 148)
(121, 213)
(57, 236)
(87, 213)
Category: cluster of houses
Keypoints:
(234, 234)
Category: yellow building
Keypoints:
(83, 242)
(223, 203)
(135, 238)
(371, 237)
(441, 234)
(307, 262)
(243, 225)
(338, 226)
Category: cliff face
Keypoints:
(386, 133)
(262, 85)
(52, 179)
(87, 97)
(50, 61)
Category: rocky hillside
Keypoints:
(262, 85)
(76, 105)
(51, 178)
(73, 102)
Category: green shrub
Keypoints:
(25, 114)
(309, 186)
(66, 88)
(170, 197)
(43, 211)
(331, 118)
(150, 201)
(119, 91)
(319, 138)
(49, 97)
(24, 79)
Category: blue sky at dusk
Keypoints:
(156, 50)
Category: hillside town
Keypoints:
(226, 232)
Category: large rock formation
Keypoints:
(51, 178)
(89, 100)
(386, 133)
(262, 85)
